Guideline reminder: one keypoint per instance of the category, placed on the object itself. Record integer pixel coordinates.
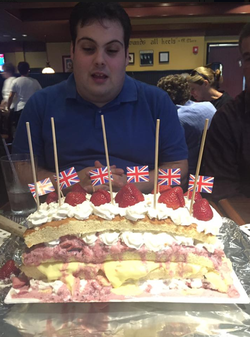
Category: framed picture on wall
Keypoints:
(163, 57)
(146, 58)
(67, 64)
(131, 58)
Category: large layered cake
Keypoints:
(89, 249)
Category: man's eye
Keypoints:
(88, 49)
(112, 51)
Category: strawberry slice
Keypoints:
(75, 198)
(196, 197)
(100, 197)
(7, 269)
(78, 188)
(128, 195)
(202, 210)
(52, 197)
(173, 198)
(162, 188)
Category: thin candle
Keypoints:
(32, 163)
(199, 163)
(107, 158)
(156, 159)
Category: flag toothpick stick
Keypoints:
(56, 161)
(107, 158)
(199, 163)
(156, 160)
(32, 163)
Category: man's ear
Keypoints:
(127, 57)
(71, 50)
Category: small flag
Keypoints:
(43, 186)
(169, 176)
(100, 176)
(136, 174)
(204, 184)
(67, 178)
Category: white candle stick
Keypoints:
(199, 163)
(56, 161)
(32, 163)
(156, 159)
(107, 158)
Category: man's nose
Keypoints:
(99, 58)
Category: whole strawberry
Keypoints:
(162, 188)
(75, 198)
(100, 197)
(173, 198)
(189, 194)
(202, 210)
(52, 197)
(78, 188)
(7, 269)
(128, 195)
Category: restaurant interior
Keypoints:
(167, 38)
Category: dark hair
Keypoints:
(9, 68)
(177, 87)
(86, 12)
(200, 74)
(23, 68)
(245, 32)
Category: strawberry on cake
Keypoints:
(88, 249)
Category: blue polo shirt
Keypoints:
(130, 122)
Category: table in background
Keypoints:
(237, 209)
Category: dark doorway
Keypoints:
(228, 56)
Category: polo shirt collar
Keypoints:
(127, 94)
(71, 87)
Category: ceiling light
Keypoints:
(48, 69)
(24, 35)
(13, 38)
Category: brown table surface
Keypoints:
(237, 209)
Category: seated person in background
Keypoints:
(227, 148)
(8, 74)
(204, 84)
(22, 89)
(98, 86)
(192, 115)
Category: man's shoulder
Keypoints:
(148, 91)
(52, 90)
(233, 105)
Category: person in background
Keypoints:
(192, 115)
(22, 89)
(204, 85)
(227, 147)
(9, 75)
(100, 34)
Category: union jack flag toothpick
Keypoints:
(100, 176)
(67, 178)
(136, 174)
(44, 186)
(204, 184)
(169, 176)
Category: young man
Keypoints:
(227, 146)
(22, 89)
(192, 115)
(100, 35)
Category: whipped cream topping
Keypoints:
(180, 216)
(109, 238)
(155, 242)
